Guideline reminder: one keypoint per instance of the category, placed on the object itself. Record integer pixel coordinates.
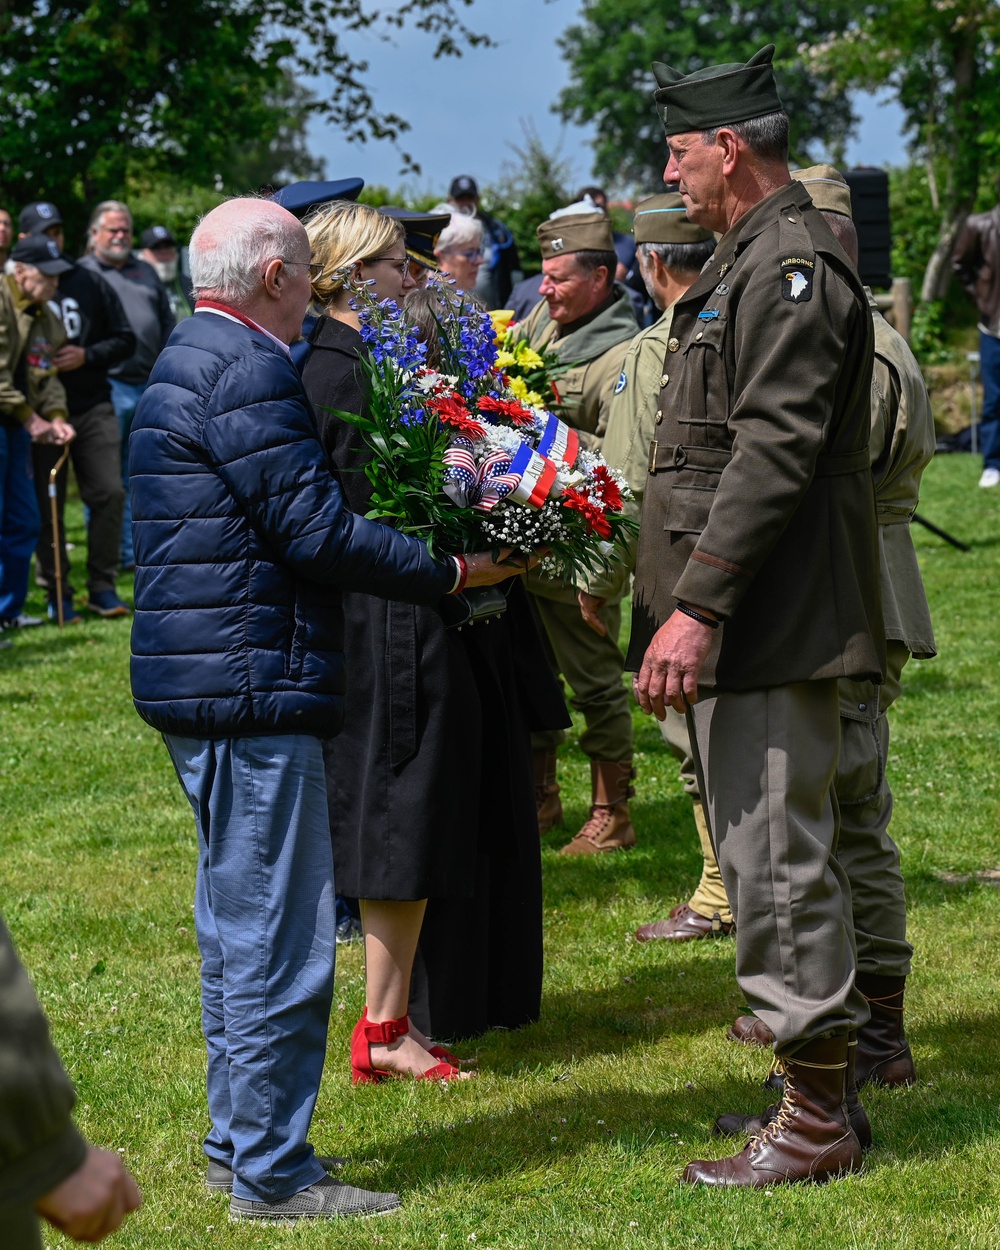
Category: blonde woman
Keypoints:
(421, 781)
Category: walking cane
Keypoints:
(56, 545)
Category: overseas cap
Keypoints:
(42, 252)
(300, 197)
(422, 231)
(718, 95)
(827, 187)
(662, 219)
(584, 232)
(36, 218)
(157, 236)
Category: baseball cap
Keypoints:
(157, 236)
(37, 217)
(464, 188)
(42, 252)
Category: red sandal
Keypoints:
(366, 1033)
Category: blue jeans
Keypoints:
(20, 523)
(989, 429)
(125, 397)
(264, 915)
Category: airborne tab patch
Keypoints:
(797, 279)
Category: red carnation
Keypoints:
(592, 513)
(452, 410)
(607, 489)
(507, 408)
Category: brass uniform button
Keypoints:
(664, 379)
(699, 335)
(659, 417)
(673, 345)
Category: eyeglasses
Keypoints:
(315, 267)
(472, 255)
(116, 230)
(401, 264)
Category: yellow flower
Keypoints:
(527, 357)
(501, 318)
(505, 359)
(534, 399)
(519, 387)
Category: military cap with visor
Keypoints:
(422, 231)
(300, 197)
(662, 219)
(827, 188)
(42, 252)
(718, 95)
(582, 232)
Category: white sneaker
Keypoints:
(991, 477)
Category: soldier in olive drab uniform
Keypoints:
(671, 252)
(757, 584)
(901, 447)
(589, 322)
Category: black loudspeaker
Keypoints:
(870, 205)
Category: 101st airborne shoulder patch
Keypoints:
(797, 279)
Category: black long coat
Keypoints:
(430, 781)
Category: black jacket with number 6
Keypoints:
(759, 504)
(94, 319)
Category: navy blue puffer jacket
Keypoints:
(243, 542)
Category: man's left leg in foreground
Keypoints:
(264, 912)
(768, 760)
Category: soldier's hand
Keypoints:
(590, 605)
(671, 665)
(92, 1201)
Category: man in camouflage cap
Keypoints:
(757, 584)
(587, 320)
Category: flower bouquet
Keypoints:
(531, 375)
(459, 460)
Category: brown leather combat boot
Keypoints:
(609, 826)
(810, 1137)
(884, 1055)
(547, 802)
(733, 1125)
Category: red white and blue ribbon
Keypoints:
(536, 474)
(559, 442)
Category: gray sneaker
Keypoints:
(219, 1178)
(326, 1200)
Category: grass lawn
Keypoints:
(577, 1128)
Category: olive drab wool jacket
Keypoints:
(759, 504)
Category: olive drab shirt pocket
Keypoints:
(705, 400)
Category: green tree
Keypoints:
(530, 186)
(939, 58)
(611, 50)
(98, 94)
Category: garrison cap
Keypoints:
(422, 231)
(300, 197)
(828, 188)
(718, 95)
(662, 219)
(578, 232)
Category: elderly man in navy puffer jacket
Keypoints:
(243, 545)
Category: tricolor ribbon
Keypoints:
(559, 442)
(536, 474)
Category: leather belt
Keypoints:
(847, 462)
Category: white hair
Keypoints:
(229, 261)
(461, 231)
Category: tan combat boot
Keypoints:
(609, 826)
(547, 802)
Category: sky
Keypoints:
(465, 113)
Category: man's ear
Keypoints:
(275, 276)
(726, 139)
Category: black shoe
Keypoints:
(326, 1200)
(219, 1178)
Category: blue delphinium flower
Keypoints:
(388, 335)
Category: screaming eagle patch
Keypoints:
(797, 279)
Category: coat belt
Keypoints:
(666, 456)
